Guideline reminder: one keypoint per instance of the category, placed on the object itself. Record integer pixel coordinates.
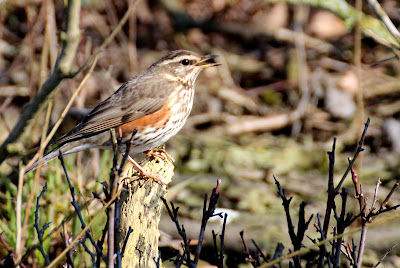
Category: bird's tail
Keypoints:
(50, 156)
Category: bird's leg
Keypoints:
(159, 153)
(144, 173)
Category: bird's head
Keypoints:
(183, 65)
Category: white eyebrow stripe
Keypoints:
(178, 59)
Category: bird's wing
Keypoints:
(139, 97)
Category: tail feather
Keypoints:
(46, 158)
(68, 148)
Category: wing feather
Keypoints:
(128, 103)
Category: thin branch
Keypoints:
(386, 253)
(70, 41)
(259, 251)
(111, 210)
(64, 113)
(76, 240)
(128, 147)
(111, 37)
(331, 188)
(173, 214)
(40, 231)
(35, 182)
(120, 254)
(91, 254)
(207, 214)
(249, 258)
(359, 149)
(66, 239)
(386, 201)
(373, 208)
(78, 208)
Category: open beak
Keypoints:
(208, 61)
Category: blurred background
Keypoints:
(290, 81)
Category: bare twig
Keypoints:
(302, 226)
(386, 201)
(220, 255)
(386, 253)
(207, 214)
(67, 239)
(40, 231)
(88, 251)
(76, 240)
(259, 251)
(249, 258)
(111, 210)
(331, 188)
(373, 208)
(128, 147)
(322, 248)
(359, 149)
(173, 214)
(78, 208)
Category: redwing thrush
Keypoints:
(156, 102)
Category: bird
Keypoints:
(155, 104)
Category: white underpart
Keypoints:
(172, 127)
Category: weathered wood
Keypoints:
(140, 209)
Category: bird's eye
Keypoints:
(185, 62)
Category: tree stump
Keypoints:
(140, 208)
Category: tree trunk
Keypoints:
(140, 208)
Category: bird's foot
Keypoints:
(159, 153)
(146, 174)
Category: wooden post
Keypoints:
(140, 208)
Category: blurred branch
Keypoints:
(380, 12)
(110, 37)
(370, 26)
(44, 144)
(386, 253)
(70, 41)
(63, 68)
(35, 182)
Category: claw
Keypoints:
(155, 177)
(159, 153)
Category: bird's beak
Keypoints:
(207, 61)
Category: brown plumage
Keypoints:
(157, 102)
